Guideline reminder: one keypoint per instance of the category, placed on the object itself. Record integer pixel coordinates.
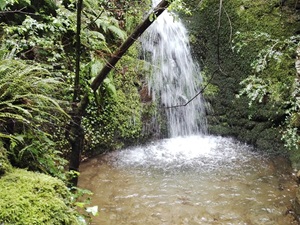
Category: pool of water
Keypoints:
(190, 180)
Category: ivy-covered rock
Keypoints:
(28, 198)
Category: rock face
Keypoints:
(225, 64)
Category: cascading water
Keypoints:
(175, 78)
(195, 179)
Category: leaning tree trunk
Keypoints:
(76, 132)
(129, 41)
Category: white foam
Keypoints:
(188, 152)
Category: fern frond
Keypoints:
(18, 108)
(51, 101)
(6, 136)
(14, 116)
(96, 35)
(118, 32)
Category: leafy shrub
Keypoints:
(274, 79)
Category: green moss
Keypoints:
(5, 166)
(28, 198)
(252, 25)
(116, 120)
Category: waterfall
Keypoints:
(175, 77)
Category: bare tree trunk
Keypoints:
(76, 133)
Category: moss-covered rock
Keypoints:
(28, 198)
(261, 123)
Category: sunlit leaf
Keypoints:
(118, 32)
(2, 4)
(110, 87)
(96, 66)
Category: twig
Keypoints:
(94, 20)
(17, 11)
(230, 24)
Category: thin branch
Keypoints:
(94, 20)
(20, 11)
(200, 92)
(230, 24)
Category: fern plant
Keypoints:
(30, 115)
(100, 27)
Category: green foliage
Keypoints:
(255, 89)
(48, 38)
(117, 116)
(109, 86)
(28, 198)
(29, 114)
(290, 132)
(180, 6)
(277, 56)
(278, 51)
(114, 115)
(100, 27)
(7, 3)
(39, 39)
(273, 70)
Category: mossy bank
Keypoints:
(247, 53)
(28, 198)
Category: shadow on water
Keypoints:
(190, 180)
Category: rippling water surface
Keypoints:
(191, 180)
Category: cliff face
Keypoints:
(248, 57)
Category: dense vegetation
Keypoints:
(248, 51)
(38, 70)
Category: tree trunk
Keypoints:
(75, 132)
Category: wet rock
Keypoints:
(145, 95)
(296, 204)
(298, 176)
